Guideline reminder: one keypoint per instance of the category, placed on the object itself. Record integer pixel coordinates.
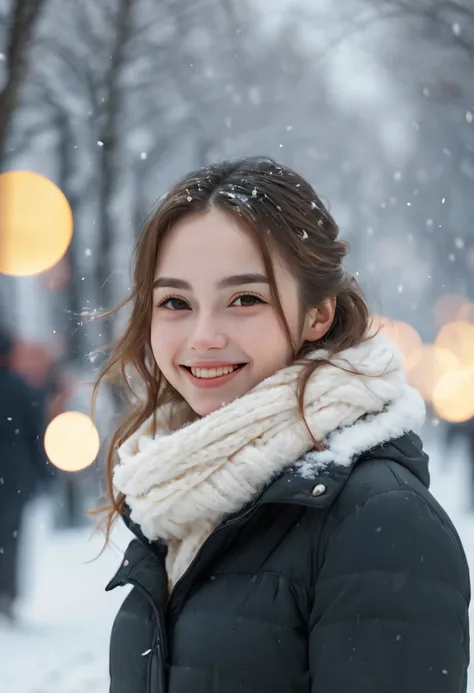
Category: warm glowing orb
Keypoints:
(72, 441)
(427, 365)
(402, 334)
(453, 396)
(36, 223)
(458, 337)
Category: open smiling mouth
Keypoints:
(207, 377)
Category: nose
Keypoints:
(207, 335)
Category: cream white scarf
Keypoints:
(180, 484)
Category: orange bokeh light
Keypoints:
(402, 334)
(427, 365)
(72, 441)
(453, 396)
(36, 223)
(458, 338)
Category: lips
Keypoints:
(213, 372)
(212, 375)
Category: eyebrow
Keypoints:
(227, 282)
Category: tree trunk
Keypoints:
(25, 16)
(73, 329)
(110, 162)
(109, 176)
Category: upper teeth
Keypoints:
(212, 372)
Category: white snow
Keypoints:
(62, 644)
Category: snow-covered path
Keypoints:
(62, 645)
(62, 642)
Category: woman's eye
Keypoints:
(246, 300)
(174, 304)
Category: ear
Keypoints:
(319, 320)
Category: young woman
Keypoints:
(286, 540)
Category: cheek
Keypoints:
(164, 342)
(266, 339)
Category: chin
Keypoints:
(208, 408)
(205, 408)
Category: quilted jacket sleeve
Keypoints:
(390, 610)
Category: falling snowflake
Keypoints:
(254, 192)
(304, 235)
(456, 29)
(100, 143)
(87, 252)
(189, 198)
(143, 156)
(469, 116)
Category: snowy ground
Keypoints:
(61, 645)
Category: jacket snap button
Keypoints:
(126, 562)
(318, 490)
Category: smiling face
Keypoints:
(215, 332)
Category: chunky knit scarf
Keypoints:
(180, 484)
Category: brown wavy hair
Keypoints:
(285, 216)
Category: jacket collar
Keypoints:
(141, 557)
(319, 489)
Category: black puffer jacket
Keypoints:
(353, 582)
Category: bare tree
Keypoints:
(24, 16)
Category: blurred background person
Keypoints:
(22, 466)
